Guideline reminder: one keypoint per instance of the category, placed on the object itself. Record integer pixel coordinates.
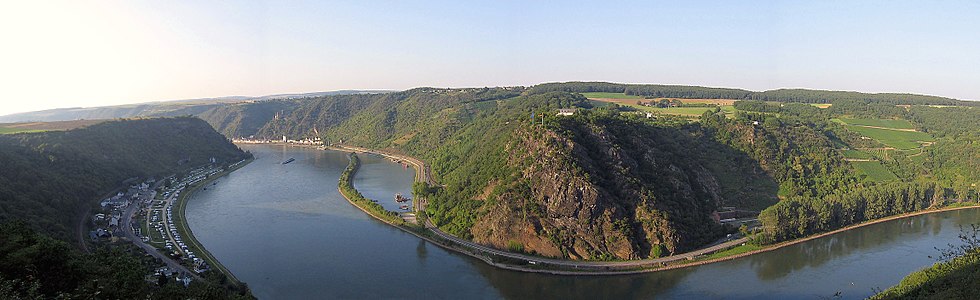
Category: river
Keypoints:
(287, 232)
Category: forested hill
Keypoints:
(47, 178)
(780, 95)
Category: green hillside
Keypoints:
(886, 123)
(873, 170)
(49, 177)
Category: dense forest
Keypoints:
(49, 177)
(35, 266)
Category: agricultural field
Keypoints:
(900, 134)
(855, 154)
(721, 102)
(903, 140)
(884, 123)
(10, 128)
(680, 111)
(686, 111)
(873, 170)
(609, 96)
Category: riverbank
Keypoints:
(525, 263)
(185, 230)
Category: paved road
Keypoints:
(128, 233)
(586, 264)
(425, 175)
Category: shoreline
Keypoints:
(642, 264)
(189, 234)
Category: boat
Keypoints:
(404, 207)
(399, 198)
(289, 160)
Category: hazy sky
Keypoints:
(91, 53)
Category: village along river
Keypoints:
(287, 232)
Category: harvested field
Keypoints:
(8, 128)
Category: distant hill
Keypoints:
(779, 95)
(157, 109)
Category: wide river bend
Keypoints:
(288, 233)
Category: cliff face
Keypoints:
(245, 119)
(601, 190)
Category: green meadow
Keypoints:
(894, 138)
(873, 170)
(886, 123)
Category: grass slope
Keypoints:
(855, 154)
(893, 138)
(874, 170)
(886, 123)
(8, 130)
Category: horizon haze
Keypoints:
(68, 54)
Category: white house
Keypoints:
(566, 111)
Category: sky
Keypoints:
(57, 54)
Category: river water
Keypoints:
(287, 232)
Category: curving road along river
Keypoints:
(285, 231)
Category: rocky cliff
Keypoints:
(611, 188)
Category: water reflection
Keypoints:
(520, 285)
(816, 253)
(852, 263)
(420, 251)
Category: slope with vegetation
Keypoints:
(49, 178)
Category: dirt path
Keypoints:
(80, 230)
(885, 128)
